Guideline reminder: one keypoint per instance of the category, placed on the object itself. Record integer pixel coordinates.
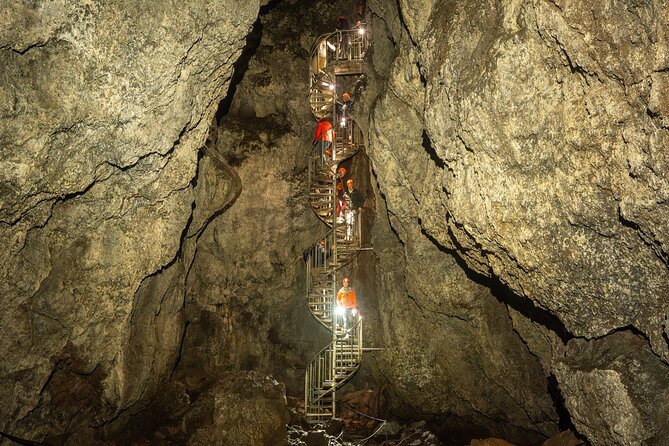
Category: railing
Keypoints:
(328, 370)
(322, 94)
(341, 51)
(336, 54)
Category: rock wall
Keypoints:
(520, 242)
(246, 288)
(527, 138)
(104, 107)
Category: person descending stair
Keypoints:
(324, 134)
(344, 38)
(347, 305)
(354, 201)
(341, 202)
(344, 109)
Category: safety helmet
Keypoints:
(346, 96)
(346, 279)
(341, 171)
(350, 182)
(339, 186)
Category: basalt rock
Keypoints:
(242, 410)
(104, 108)
(520, 181)
(528, 139)
(451, 350)
(245, 302)
(616, 389)
(541, 131)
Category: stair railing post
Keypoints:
(306, 390)
(358, 229)
(308, 278)
(359, 337)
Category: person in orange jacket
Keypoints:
(348, 303)
(324, 134)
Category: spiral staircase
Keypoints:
(335, 57)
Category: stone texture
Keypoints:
(616, 390)
(241, 411)
(545, 127)
(245, 305)
(518, 150)
(241, 408)
(564, 438)
(527, 138)
(103, 107)
(472, 365)
(450, 346)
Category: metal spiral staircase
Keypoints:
(334, 55)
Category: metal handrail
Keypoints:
(341, 46)
(334, 54)
(324, 258)
(322, 94)
(333, 366)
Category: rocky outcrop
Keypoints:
(616, 390)
(242, 410)
(104, 108)
(451, 351)
(545, 140)
(245, 290)
(527, 138)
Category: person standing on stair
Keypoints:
(341, 203)
(324, 134)
(344, 109)
(354, 201)
(348, 303)
(344, 38)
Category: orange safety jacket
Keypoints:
(324, 131)
(346, 298)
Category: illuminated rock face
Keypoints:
(518, 153)
(529, 138)
(616, 390)
(104, 107)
